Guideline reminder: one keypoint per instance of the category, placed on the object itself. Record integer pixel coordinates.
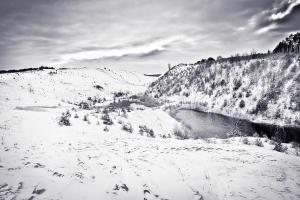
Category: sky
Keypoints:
(138, 35)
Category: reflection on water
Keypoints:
(207, 125)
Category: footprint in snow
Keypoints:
(39, 165)
(121, 187)
(147, 193)
(7, 191)
(38, 191)
(58, 174)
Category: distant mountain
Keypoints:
(291, 44)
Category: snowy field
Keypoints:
(127, 153)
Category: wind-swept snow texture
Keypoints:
(261, 90)
(40, 159)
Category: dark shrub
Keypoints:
(64, 120)
(186, 94)
(210, 59)
(85, 105)
(206, 79)
(119, 94)
(273, 94)
(237, 84)
(242, 104)
(261, 106)
(248, 93)
(98, 87)
(85, 117)
(145, 129)
(127, 127)
(106, 129)
(277, 114)
(225, 103)
(223, 82)
(279, 147)
(106, 119)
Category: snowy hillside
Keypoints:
(91, 134)
(262, 90)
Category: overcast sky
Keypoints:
(141, 35)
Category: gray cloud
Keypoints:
(137, 33)
(281, 14)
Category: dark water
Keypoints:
(206, 125)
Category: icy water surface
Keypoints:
(206, 125)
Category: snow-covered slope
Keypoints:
(40, 159)
(69, 85)
(262, 90)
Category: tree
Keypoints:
(219, 58)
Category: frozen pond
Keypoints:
(206, 125)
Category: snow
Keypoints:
(39, 159)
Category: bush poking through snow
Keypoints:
(261, 106)
(98, 87)
(258, 142)
(64, 119)
(106, 119)
(180, 134)
(248, 93)
(242, 104)
(120, 94)
(237, 84)
(127, 127)
(106, 129)
(245, 141)
(85, 117)
(279, 147)
(148, 131)
(76, 116)
(85, 105)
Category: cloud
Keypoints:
(138, 49)
(267, 28)
(280, 14)
(276, 17)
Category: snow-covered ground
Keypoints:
(40, 159)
